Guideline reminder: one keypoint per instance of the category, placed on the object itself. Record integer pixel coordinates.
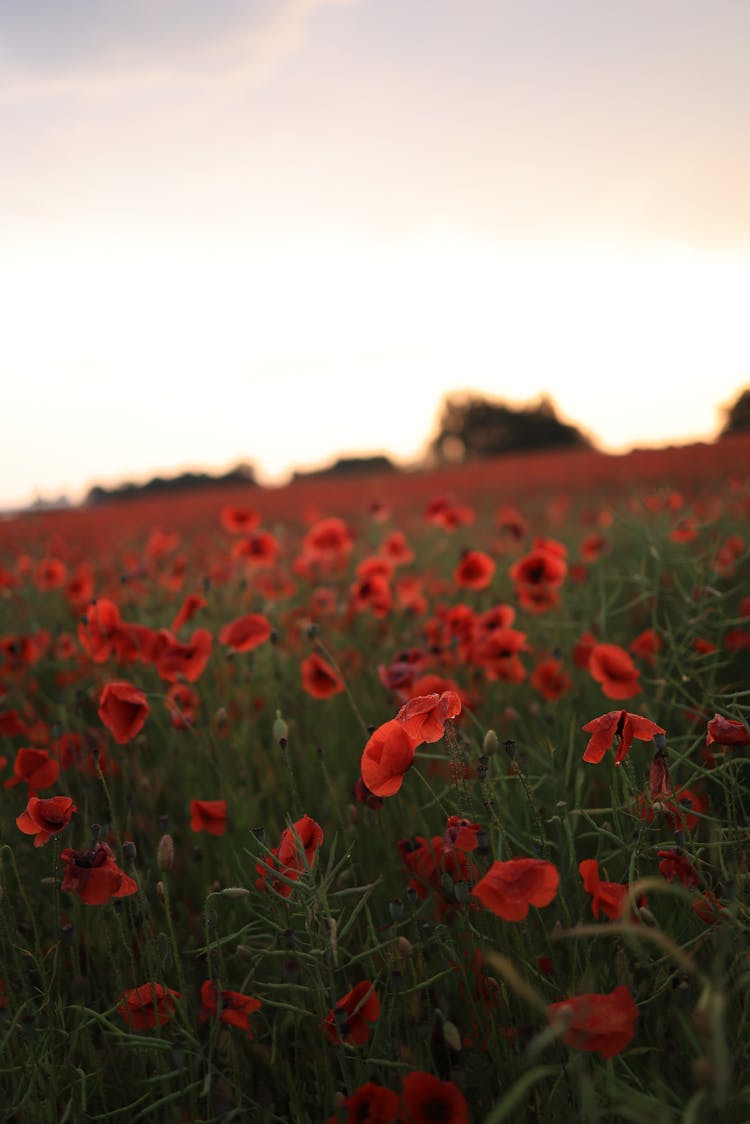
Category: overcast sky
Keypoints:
(279, 230)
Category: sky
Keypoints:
(277, 231)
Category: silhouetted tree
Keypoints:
(737, 416)
(475, 427)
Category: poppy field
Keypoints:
(405, 799)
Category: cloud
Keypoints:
(90, 47)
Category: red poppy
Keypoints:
(238, 520)
(329, 541)
(192, 604)
(182, 703)
(319, 679)
(426, 1099)
(147, 1006)
(612, 667)
(582, 650)
(727, 731)
(246, 632)
(95, 876)
(123, 709)
(601, 1023)
(45, 818)
(605, 896)
(371, 1104)
(509, 888)
(646, 645)
(388, 755)
(173, 659)
(499, 654)
(99, 629)
(424, 717)
(621, 726)
(295, 854)
(350, 1019)
(258, 550)
(462, 834)
(474, 571)
(396, 549)
(444, 512)
(372, 594)
(708, 907)
(543, 566)
(209, 816)
(233, 1007)
(682, 811)
(551, 679)
(50, 574)
(80, 588)
(36, 767)
(675, 866)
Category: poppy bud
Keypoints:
(280, 730)
(451, 1037)
(129, 851)
(403, 947)
(160, 891)
(396, 908)
(234, 892)
(165, 853)
(658, 776)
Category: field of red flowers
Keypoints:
(409, 799)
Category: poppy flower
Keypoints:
(245, 633)
(426, 1099)
(396, 549)
(676, 867)
(319, 679)
(646, 646)
(147, 1006)
(182, 704)
(509, 888)
(329, 540)
(444, 512)
(388, 755)
(499, 654)
(238, 520)
(295, 854)
(474, 571)
(617, 725)
(123, 709)
(372, 593)
(172, 658)
(98, 630)
(192, 604)
(605, 896)
(95, 876)
(233, 1007)
(259, 550)
(36, 767)
(551, 679)
(708, 907)
(350, 1019)
(209, 816)
(682, 811)
(582, 650)
(45, 818)
(462, 834)
(612, 667)
(50, 574)
(542, 566)
(727, 731)
(371, 1104)
(604, 1024)
(424, 717)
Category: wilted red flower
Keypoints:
(209, 816)
(659, 783)
(36, 767)
(604, 1024)
(617, 725)
(424, 717)
(605, 896)
(727, 731)
(612, 667)
(246, 632)
(388, 755)
(319, 679)
(675, 866)
(372, 1104)
(509, 888)
(123, 709)
(350, 1019)
(45, 818)
(426, 1099)
(147, 1006)
(475, 570)
(233, 1007)
(551, 679)
(95, 876)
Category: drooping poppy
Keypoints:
(387, 757)
(319, 679)
(35, 767)
(424, 717)
(509, 888)
(426, 1099)
(209, 816)
(350, 1019)
(612, 667)
(604, 1024)
(45, 818)
(147, 1006)
(620, 726)
(123, 709)
(246, 632)
(232, 1007)
(95, 876)
(727, 731)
